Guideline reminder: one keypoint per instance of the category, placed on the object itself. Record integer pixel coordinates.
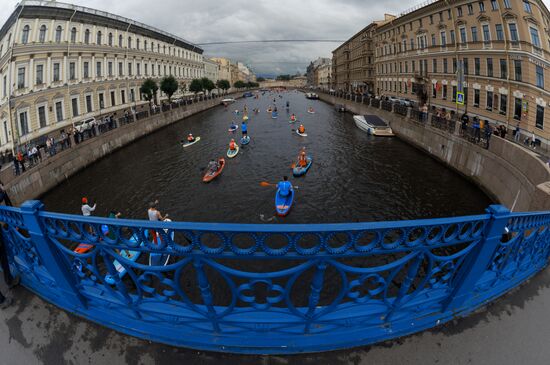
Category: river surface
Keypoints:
(354, 177)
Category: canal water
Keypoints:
(354, 177)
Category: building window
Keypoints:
(517, 108)
(517, 70)
(465, 64)
(452, 33)
(534, 36)
(101, 101)
(434, 91)
(138, 69)
(494, 4)
(120, 40)
(98, 70)
(486, 33)
(73, 35)
(89, 108)
(503, 104)
(39, 74)
(113, 98)
(489, 67)
(503, 69)
(72, 71)
(445, 66)
(120, 69)
(42, 34)
(453, 97)
(507, 4)
(87, 36)
(56, 72)
(539, 120)
(459, 11)
(513, 32)
(59, 111)
(145, 45)
(489, 100)
(463, 39)
(481, 6)
(540, 76)
(474, 34)
(110, 39)
(527, 6)
(434, 65)
(470, 9)
(110, 68)
(465, 90)
(454, 65)
(477, 66)
(23, 123)
(147, 70)
(74, 104)
(500, 33)
(137, 43)
(42, 116)
(434, 42)
(129, 42)
(21, 77)
(5, 86)
(123, 96)
(445, 92)
(476, 97)
(58, 34)
(86, 70)
(25, 34)
(129, 69)
(98, 38)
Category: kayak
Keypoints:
(160, 259)
(299, 171)
(274, 115)
(245, 140)
(269, 110)
(233, 128)
(283, 203)
(245, 118)
(121, 270)
(191, 143)
(301, 134)
(233, 153)
(209, 176)
(311, 112)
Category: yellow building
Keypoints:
(61, 63)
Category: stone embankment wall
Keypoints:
(55, 169)
(506, 171)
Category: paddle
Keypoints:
(265, 184)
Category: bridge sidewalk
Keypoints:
(513, 330)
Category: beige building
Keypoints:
(494, 53)
(322, 76)
(61, 63)
(211, 70)
(224, 72)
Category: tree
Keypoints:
(260, 79)
(169, 86)
(223, 84)
(207, 84)
(149, 89)
(283, 78)
(196, 86)
(239, 84)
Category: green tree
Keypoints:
(239, 84)
(283, 78)
(196, 86)
(169, 86)
(223, 84)
(149, 89)
(207, 84)
(260, 79)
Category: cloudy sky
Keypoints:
(237, 20)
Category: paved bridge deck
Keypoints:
(514, 329)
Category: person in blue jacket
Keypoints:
(244, 129)
(284, 186)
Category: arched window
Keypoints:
(158, 48)
(137, 43)
(1, 49)
(152, 46)
(120, 40)
(111, 39)
(42, 34)
(25, 34)
(129, 42)
(145, 45)
(87, 36)
(164, 49)
(58, 34)
(98, 38)
(73, 35)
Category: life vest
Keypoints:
(302, 160)
(301, 129)
(232, 146)
(190, 139)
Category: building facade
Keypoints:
(224, 70)
(486, 58)
(211, 70)
(312, 67)
(323, 76)
(61, 63)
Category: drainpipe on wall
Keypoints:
(66, 70)
(456, 49)
(13, 127)
(507, 51)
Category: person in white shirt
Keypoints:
(86, 209)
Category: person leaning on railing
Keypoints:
(8, 277)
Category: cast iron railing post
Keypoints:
(56, 265)
(315, 294)
(479, 258)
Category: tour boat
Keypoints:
(312, 96)
(373, 125)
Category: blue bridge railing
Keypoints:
(273, 288)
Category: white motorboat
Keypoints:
(228, 101)
(373, 125)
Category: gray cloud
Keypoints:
(236, 20)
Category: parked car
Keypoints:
(247, 94)
(85, 125)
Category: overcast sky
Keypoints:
(235, 20)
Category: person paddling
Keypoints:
(301, 129)
(284, 186)
(232, 145)
(302, 159)
(86, 208)
(190, 138)
(293, 117)
(244, 129)
(213, 166)
(154, 215)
